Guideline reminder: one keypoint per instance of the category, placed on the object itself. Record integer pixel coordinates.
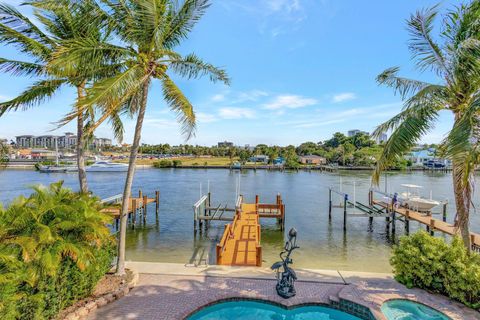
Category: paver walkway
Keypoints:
(174, 296)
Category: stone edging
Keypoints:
(98, 302)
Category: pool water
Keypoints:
(249, 310)
(400, 309)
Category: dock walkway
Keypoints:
(240, 243)
(431, 223)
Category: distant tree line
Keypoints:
(358, 150)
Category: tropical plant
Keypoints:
(147, 33)
(54, 247)
(429, 263)
(455, 60)
(60, 20)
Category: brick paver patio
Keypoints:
(174, 297)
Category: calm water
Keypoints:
(323, 244)
(249, 310)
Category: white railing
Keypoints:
(113, 199)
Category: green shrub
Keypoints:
(430, 263)
(163, 164)
(177, 163)
(54, 247)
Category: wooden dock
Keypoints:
(428, 221)
(136, 206)
(393, 211)
(240, 244)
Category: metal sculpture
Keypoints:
(286, 278)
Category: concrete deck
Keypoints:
(173, 291)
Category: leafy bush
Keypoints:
(177, 163)
(430, 263)
(163, 164)
(54, 247)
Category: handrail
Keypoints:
(113, 199)
(199, 202)
(238, 204)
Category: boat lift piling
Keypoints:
(393, 208)
(138, 205)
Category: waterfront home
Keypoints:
(279, 161)
(421, 158)
(313, 159)
(259, 158)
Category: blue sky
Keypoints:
(301, 70)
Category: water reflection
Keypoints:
(324, 244)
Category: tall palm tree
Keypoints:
(455, 60)
(149, 31)
(61, 20)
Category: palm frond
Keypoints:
(429, 98)
(36, 94)
(11, 17)
(428, 53)
(193, 67)
(403, 86)
(180, 105)
(404, 137)
(21, 68)
(182, 20)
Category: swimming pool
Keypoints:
(400, 309)
(250, 310)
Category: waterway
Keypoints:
(324, 244)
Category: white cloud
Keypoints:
(283, 5)
(252, 95)
(236, 113)
(290, 102)
(342, 97)
(205, 117)
(218, 97)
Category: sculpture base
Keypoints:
(286, 291)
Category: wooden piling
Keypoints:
(407, 222)
(144, 213)
(432, 227)
(444, 212)
(157, 202)
(134, 212)
(345, 199)
(329, 204)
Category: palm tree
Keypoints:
(61, 20)
(455, 59)
(148, 31)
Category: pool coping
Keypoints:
(342, 290)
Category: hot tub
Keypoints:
(401, 309)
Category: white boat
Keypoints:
(57, 167)
(107, 166)
(414, 201)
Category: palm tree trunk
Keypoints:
(463, 197)
(129, 181)
(82, 174)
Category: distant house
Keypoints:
(420, 158)
(354, 132)
(259, 158)
(313, 159)
(225, 144)
(279, 161)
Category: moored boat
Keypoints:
(107, 166)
